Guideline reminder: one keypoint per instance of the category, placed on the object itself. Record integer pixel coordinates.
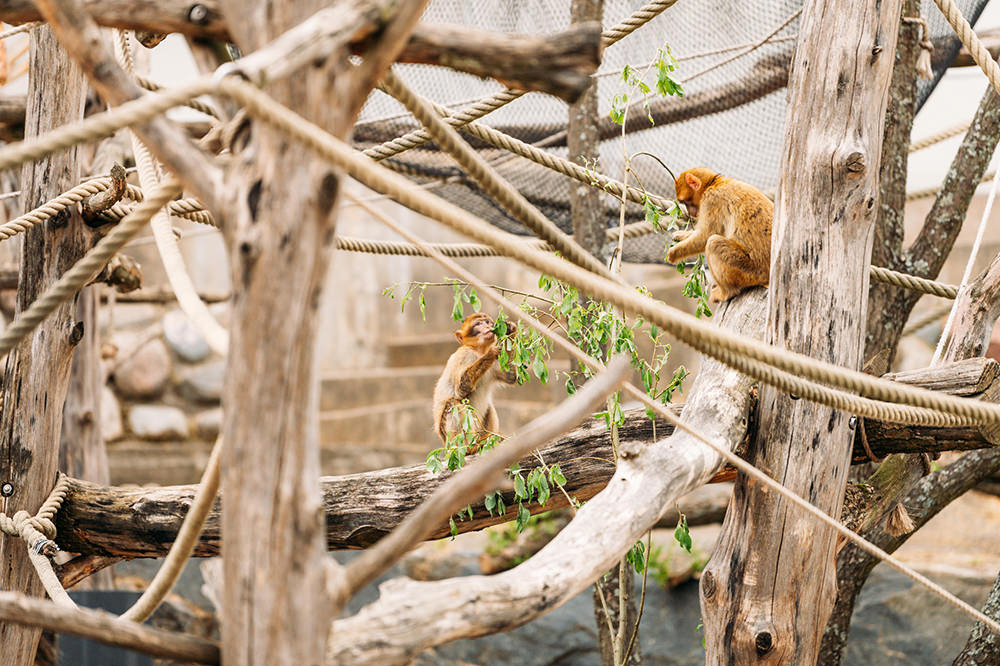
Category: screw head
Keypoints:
(198, 14)
(852, 423)
(7, 489)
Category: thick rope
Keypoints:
(26, 27)
(925, 320)
(913, 282)
(166, 244)
(740, 353)
(489, 104)
(38, 532)
(938, 137)
(184, 543)
(749, 356)
(980, 54)
(930, 192)
(497, 187)
(86, 268)
(152, 86)
(53, 207)
(721, 450)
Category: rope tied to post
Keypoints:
(38, 531)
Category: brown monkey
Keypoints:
(733, 230)
(470, 375)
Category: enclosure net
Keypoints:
(731, 117)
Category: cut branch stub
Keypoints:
(92, 207)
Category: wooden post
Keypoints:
(770, 585)
(34, 387)
(276, 606)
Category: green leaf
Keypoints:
(454, 527)
(682, 534)
(520, 491)
(538, 367)
(490, 502)
(556, 475)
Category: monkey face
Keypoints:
(476, 331)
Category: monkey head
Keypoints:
(691, 185)
(477, 332)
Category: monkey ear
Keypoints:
(458, 335)
(693, 182)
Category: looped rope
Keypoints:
(38, 531)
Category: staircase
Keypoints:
(381, 417)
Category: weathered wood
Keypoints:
(362, 508)
(976, 311)
(81, 451)
(276, 608)
(770, 586)
(410, 617)
(37, 377)
(16, 609)
(560, 64)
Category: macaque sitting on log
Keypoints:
(733, 229)
(468, 382)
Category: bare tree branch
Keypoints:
(106, 628)
(483, 475)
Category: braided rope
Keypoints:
(53, 207)
(943, 135)
(38, 532)
(913, 282)
(486, 176)
(489, 104)
(980, 54)
(86, 268)
(929, 192)
(721, 449)
(26, 27)
(153, 86)
(744, 354)
(926, 320)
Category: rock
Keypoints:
(203, 383)
(183, 338)
(111, 416)
(158, 422)
(144, 375)
(208, 423)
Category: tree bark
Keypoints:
(773, 570)
(276, 606)
(38, 370)
(362, 508)
(81, 452)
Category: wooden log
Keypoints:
(101, 626)
(410, 617)
(559, 64)
(37, 377)
(770, 585)
(361, 508)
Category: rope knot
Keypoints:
(924, 67)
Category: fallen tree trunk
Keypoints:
(362, 508)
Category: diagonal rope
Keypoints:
(723, 451)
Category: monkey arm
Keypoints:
(505, 376)
(692, 244)
(474, 373)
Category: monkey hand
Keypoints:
(676, 254)
(717, 295)
(682, 234)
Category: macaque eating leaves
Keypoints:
(733, 229)
(470, 376)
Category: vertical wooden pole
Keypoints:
(37, 377)
(771, 584)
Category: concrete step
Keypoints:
(352, 389)
(391, 425)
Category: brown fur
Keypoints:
(470, 375)
(733, 229)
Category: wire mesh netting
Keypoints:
(733, 58)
